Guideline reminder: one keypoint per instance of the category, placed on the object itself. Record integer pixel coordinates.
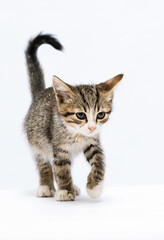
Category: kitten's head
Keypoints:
(85, 108)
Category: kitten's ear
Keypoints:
(107, 87)
(64, 92)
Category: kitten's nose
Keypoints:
(91, 128)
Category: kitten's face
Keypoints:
(86, 107)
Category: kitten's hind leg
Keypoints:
(46, 188)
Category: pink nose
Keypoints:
(91, 128)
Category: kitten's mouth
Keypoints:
(90, 134)
(92, 131)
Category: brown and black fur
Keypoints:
(51, 116)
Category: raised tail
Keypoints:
(36, 76)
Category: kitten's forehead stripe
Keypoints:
(89, 95)
(83, 98)
(97, 100)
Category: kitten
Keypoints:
(61, 122)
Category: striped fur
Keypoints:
(46, 178)
(94, 155)
(36, 76)
(63, 121)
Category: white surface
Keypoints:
(101, 39)
(121, 213)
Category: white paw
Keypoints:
(96, 191)
(77, 190)
(64, 195)
(45, 191)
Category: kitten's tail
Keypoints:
(35, 72)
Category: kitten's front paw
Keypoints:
(64, 195)
(76, 190)
(45, 191)
(96, 191)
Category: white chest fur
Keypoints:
(77, 147)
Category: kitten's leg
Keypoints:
(95, 157)
(46, 188)
(63, 177)
(76, 190)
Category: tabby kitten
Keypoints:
(61, 122)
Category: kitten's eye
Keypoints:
(81, 115)
(100, 115)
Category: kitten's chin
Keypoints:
(90, 134)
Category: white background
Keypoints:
(101, 39)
